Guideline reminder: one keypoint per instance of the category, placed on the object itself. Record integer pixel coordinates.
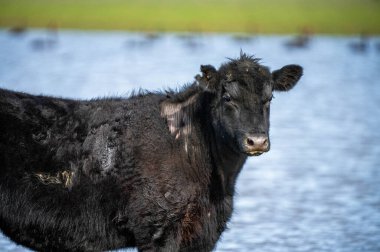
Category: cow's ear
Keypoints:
(287, 77)
(209, 78)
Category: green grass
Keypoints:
(269, 16)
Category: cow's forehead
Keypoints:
(259, 72)
(253, 67)
(256, 81)
(247, 95)
(248, 67)
(246, 76)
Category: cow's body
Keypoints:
(153, 171)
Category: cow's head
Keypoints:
(243, 90)
(237, 100)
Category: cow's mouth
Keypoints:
(255, 153)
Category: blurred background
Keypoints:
(318, 189)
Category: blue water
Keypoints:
(318, 189)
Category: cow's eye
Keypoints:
(226, 98)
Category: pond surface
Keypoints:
(318, 189)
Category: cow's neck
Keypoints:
(227, 163)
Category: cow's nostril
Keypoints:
(250, 142)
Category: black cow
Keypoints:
(154, 171)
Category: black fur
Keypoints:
(155, 171)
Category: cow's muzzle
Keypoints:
(255, 144)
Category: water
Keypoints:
(318, 189)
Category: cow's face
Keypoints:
(242, 96)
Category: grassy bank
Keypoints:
(270, 16)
